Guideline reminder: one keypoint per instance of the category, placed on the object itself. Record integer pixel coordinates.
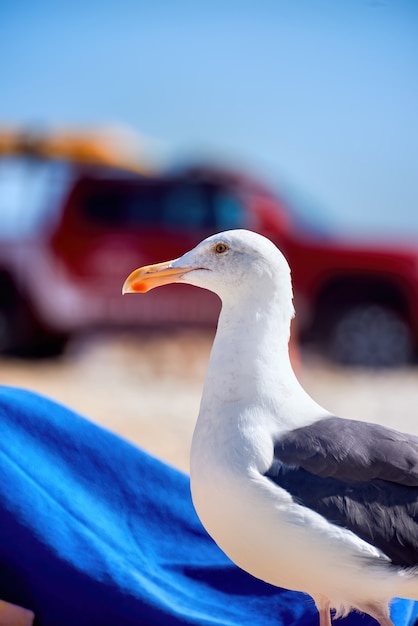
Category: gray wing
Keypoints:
(361, 476)
(351, 450)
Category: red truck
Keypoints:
(71, 232)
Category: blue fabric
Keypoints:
(93, 531)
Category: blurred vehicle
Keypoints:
(71, 231)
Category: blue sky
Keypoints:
(321, 95)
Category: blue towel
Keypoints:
(95, 532)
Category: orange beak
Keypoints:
(145, 278)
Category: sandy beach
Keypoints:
(146, 387)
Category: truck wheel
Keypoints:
(371, 335)
(7, 330)
(20, 336)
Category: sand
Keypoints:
(146, 387)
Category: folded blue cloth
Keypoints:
(95, 532)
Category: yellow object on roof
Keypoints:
(108, 146)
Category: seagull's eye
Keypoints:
(220, 248)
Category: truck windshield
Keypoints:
(30, 190)
(161, 203)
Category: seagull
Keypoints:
(294, 495)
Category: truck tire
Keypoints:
(21, 336)
(7, 330)
(372, 335)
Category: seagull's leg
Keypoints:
(325, 617)
(380, 614)
(324, 609)
(385, 621)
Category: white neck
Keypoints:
(249, 364)
(252, 346)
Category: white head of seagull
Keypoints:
(250, 353)
(238, 265)
(249, 357)
(262, 448)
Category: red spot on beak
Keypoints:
(139, 287)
